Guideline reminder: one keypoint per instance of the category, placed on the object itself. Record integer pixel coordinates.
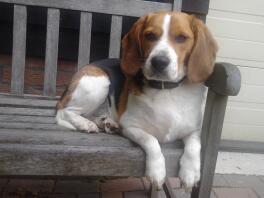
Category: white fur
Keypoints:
(164, 116)
(163, 47)
(167, 115)
(152, 117)
(89, 94)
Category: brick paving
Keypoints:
(225, 186)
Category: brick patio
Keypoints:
(225, 186)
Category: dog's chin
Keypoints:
(162, 77)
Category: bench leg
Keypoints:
(166, 192)
(211, 136)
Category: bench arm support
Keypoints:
(225, 79)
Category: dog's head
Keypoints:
(168, 46)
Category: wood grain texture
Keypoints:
(177, 5)
(211, 136)
(52, 41)
(27, 119)
(115, 37)
(134, 8)
(26, 159)
(19, 49)
(30, 125)
(225, 80)
(27, 111)
(168, 189)
(26, 102)
(84, 39)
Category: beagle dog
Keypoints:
(155, 95)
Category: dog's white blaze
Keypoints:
(166, 28)
(163, 46)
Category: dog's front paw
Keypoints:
(109, 126)
(89, 126)
(189, 174)
(156, 170)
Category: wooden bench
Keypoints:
(31, 144)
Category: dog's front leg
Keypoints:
(190, 161)
(155, 162)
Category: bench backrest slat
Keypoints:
(52, 40)
(177, 5)
(115, 36)
(19, 49)
(116, 7)
(84, 39)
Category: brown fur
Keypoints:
(88, 70)
(198, 51)
(202, 58)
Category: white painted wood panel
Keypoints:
(236, 29)
(241, 62)
(253, 7)
(240, 49)
(252, 76)
(238, 26)
(250, 116)
(236, 16)
(250, 93)
(243, 132)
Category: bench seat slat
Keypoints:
(19, 49)
(27, 119)
(70, 138)
(26, 102)
(85, 39)
(28, 125)
(52, 41)
(26, 111)
(22, 159)
(115, 37)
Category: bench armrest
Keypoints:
(225, 79)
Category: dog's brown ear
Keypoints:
(132, 59)
(202, 58)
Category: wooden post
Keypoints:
(210, 139)
(19, 49)
(84, 39)
(52, 42)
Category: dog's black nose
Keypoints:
(159, 62)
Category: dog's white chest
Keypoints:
(166, 114)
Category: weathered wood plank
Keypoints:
(211, 136)
(26, 102)
(28, 125)
(84, 39)
(68, 137)
(29, 96)
(27, 119)
(115, 37)
(52, 41)
(177, 5)
(168, 189)
(135, 194)
(59, 137)
(225, 80)
(19, 159)
(154, 193)
(19, 49)
(114, 7)
(27, 111)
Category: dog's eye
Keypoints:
(180, 38)
(151, 36)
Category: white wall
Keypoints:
(238, 26)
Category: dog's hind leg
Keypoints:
(86, 98)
